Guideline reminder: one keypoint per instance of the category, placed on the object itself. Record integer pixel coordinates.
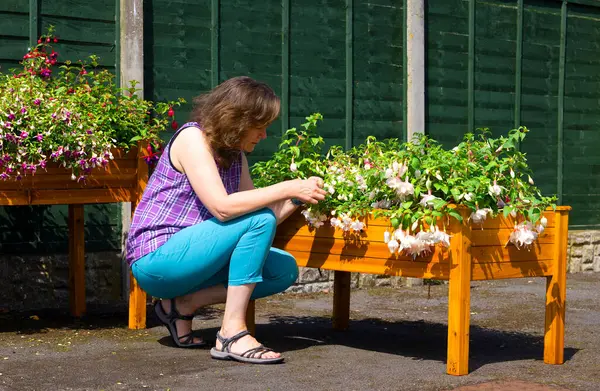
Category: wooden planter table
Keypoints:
(123, 181)
(477, 252)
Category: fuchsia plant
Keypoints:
(73, 116)
(417, 185)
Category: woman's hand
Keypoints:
(309, 191)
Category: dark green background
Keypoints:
(185, 56)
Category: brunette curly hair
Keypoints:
(230, 110)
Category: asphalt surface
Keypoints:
(396, 341)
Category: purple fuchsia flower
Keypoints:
(4, 176)
(82, 162)
(45, 72)
(8, 125)
(37, 102)
(42, 163)
(11, 117)
(24, 110)
(24, 135)
(89, 131)
(39, 137)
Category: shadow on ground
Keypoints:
(419, 340)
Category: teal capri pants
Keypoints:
(210, 253)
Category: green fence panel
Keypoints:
(447, 46)
(83, 28)
(342, 58)
(581, 137)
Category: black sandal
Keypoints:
(249, 356)
(170, 320)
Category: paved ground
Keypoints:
(396, 341)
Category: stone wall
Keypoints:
(31, 282)
(584, 251)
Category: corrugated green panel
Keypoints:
(318, 66)
(446, 77)
(539, 104)
(177, 58)
(14, 25)
(250, 40)
(84, 31)
(378, 70)
(93, 10)
(581, 181)
(495, 61)
(21, 6)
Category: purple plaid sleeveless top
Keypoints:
(169, 204)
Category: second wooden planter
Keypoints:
(477, 252)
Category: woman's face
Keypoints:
(252, 138)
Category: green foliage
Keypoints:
(74, 115)
(413, 183)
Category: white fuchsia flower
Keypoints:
(393, 246)
(427, 200)
(386, 236)
(495, 190)
(523, 235)
(293, 167)
(480, 215)
(544, 221)
(469, 196)
(405, 190)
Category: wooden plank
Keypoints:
(341, 300)
(80, 196)
(501, 270)
(63, 182)
(372, 265)
(137, 304)
(499, 254)
(500, 237)
(76, 260)
(137, 297)
(556, 289)
(459, 300)
(351, 250)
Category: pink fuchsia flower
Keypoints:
(368, 164)
(39, 137)
(24, 110)
(4, 176)
(11, 117)
(37, 102)
(45, 72)
(24, 135)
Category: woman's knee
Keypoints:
(285, 264)
(264, 218)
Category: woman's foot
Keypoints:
(184, 327)
(243, 344)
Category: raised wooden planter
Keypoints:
(477, 252)
(123, 181)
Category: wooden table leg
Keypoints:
(137, 304)
(76, 260)
(459, 303)
(251, 317)
(556, 290)
(341, 300)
